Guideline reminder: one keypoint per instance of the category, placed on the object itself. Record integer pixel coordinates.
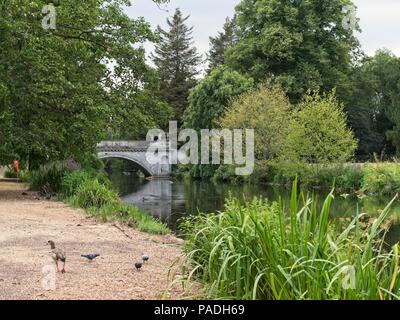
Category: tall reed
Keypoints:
(265, 251)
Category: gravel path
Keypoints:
(27, 224)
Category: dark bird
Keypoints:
(145, 258)
(138, 265)
(58, 255)
(90, 256)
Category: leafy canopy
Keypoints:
(267, 110)
(63, 90)
(301, 44)
(212, 95)
(318, 132)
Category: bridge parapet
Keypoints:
(134, 151)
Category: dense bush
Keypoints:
(72, 181)
(318, 132)
(9, 173)
(381, 179)
(268, 111)
(343, 177)
(262, 251)
(92, 193)
(50, 175)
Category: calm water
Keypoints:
(171, 200)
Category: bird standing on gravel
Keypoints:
(138, 265)
(58, 255)
(145, 257)
(90, 256)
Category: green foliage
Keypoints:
(177, 63)
(133, 216)
(50, 175)
(57, 94)
(374, 103)
(267, 110)
(71, 182)
(301, 44)
(381, 179)
(92, 193)
(318, 132)
(219, 44)
(263, 251)
(208, 100)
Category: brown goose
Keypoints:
(58, 255)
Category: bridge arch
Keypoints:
(146, 170)
(136, 152)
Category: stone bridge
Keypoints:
(134, 151)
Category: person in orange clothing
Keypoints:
(16, 167)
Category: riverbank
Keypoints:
(26, 224)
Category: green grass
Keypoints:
(264, 251)
(50, 174)
(130, 215)
(92, 193)
(381, 179)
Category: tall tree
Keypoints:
(374, 104)
(207, 102)
(177, 63)
(219, 44)
(301, 44)
(58, 95)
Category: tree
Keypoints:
(207, 102)
(212, 95)
(302, 45)
(374, 104)
(318, 132)
(219, 44)
(177, 63)
(59, 94)
(267, 110)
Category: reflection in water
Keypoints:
(159, 198)
(169, 201)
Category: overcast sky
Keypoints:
(379, 20)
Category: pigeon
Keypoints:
(90, 256)
(138, 265)
(58, 255)
(145, 258)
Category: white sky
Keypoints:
(379, 20)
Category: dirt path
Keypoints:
(27, 224)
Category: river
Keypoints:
(169, 201)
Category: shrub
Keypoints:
(9, 173)
(72, 181)
(92, 193)
(381, 179)
(318, 132)
(263, 251)
(50, 174)
(267, 110)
